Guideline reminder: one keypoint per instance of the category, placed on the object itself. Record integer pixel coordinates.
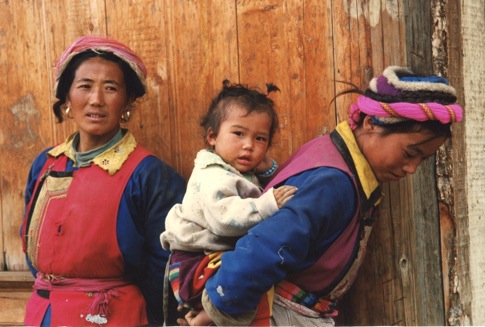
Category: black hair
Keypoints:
(134, 87)
(250, 99)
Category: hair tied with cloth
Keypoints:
(99, 44)
(399, 95)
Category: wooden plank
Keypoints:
(12, 307)
(24, 120)
(448, 223)
(467, 68)
(270, 50)
(427, 248)
(319, 84)
(425, 220)
(199, 67)
(418, 33)
(346, 58)
(402, 260)
(16, 280)
(189, 48)
(393, 33)
(15, 290)
(474, 46)
(366, 49)
(457, 285)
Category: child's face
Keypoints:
(243, 139)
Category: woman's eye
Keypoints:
(408, 155)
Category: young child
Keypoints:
(224, 197)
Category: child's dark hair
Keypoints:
(250, 99)
(134, 87)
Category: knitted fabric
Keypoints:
(398, 95)
(395, 80)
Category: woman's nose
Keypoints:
(411, 166)
(97, 97)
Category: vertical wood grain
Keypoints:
(270, 50)
(198, 50)
(204, 45)
(466, 48)
(24, 120)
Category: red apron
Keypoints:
(70, 232)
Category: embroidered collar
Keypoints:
(111, 160)
(366, 176)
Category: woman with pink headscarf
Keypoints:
(312, 248)
(96, 203)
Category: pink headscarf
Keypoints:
(91, 42)
(396, 81)
(389, 113)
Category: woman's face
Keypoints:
(97, 98)
(243, 139)
(393, 156)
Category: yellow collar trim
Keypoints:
(366, 175)
(111, 160)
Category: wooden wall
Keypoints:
(303, 46)
(464, 211)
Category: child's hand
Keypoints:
(283, 194)
(195, 318)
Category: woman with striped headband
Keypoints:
(312, 248)
(96, 203)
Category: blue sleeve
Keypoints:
(289, 241)
(151, 191)
(35, 169)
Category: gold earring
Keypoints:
(125, 117)
(66, 113)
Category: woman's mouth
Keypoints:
(94, 116)
(396, 177)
